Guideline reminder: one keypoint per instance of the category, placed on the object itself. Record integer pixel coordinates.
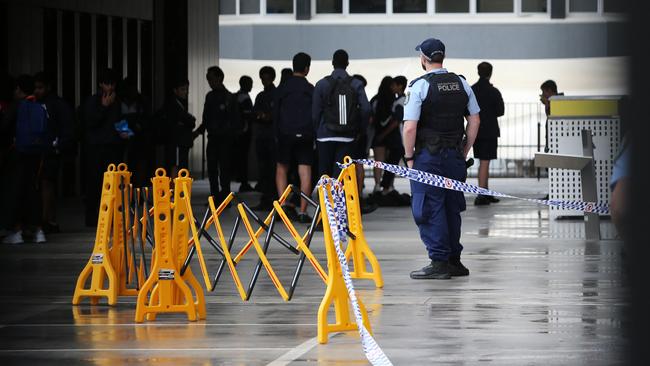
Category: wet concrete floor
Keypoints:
(537, 295)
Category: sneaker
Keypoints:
(481, 200)
(457, 269)
(387, 191)
(377, 188)
(493, 199)
(437, 270)
(39, 237)
(303, 218)
(14, 238)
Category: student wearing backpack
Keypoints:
(32, 139)
(221, 118)
(340, 112)
(294, 132)
(61, 127)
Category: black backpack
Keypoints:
(341, 112)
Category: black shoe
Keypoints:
(481, 200)
(457, 269)
(437, 270)
(367, 208)
(303, 218)
(493, 199)
(51, 228)
(245, 187)
(290, 211)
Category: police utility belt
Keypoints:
(435, 143)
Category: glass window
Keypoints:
(452, 6)
(494, 6)
(583, 5)
(367, 6)
(534, 6)
(279, 6)
(249, 6)
(227, 7)
(409, 6)
(615, 6)
(329, 6)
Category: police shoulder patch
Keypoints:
(407, 97)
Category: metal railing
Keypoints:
(522, 134)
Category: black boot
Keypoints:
(437, 270)
(456, 268)
(493, 199)
(481, 200)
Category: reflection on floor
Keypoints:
(537, 295)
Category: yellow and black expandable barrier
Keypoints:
(167, 284)
(247, 217)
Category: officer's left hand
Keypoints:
(409, 164)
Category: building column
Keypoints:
(202, 52)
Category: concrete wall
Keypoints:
(369, 41)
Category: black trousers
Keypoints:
(330, 153)
(242, 147)
(265, 151)
(220, 156)
(98, 157)
(23, 195)
(395, 153)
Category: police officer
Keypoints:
(434, 142)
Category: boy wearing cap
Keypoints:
(435, 107)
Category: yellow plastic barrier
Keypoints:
(121, 255)
(104, 279)
(358, 248)
(336, 292)
(172, 294)
(183, 221)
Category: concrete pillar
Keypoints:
(202, 52)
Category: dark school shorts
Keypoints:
(485, 149)
(295, 149)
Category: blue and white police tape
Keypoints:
(337, 218)
(447, 183)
